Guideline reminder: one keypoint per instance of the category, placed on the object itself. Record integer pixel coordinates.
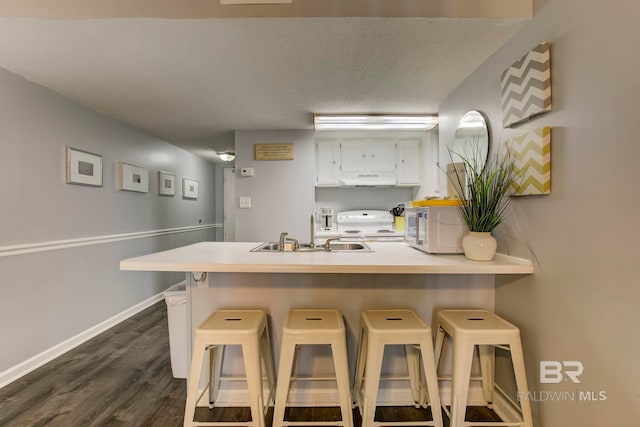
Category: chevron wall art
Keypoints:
(526, 87)
(532, 151)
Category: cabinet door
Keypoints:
(409, 161)
(353, 155)
(382, 155)
(327, 166)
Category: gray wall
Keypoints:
(282, 191)
(48, 297)
(581, 304)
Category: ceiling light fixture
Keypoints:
(375, 121)
(226, 156)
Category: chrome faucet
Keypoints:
(283, 236)
(284, 239)
(312, 231)
(327, 244)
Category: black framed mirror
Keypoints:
(471, 140)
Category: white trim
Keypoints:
(15, 372)
(95, 240)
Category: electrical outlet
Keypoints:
(244, 202)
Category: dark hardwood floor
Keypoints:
(120, 378)
(123, 378)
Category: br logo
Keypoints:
(554, 371)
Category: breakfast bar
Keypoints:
(393, 275)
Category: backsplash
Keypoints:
(344, 199)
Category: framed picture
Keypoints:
(532, 155)
(189, 188)
(83, 168)
(133, 178)
(166, 183)
(526, 87)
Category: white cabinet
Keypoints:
(327, 162)
(369, 160)
(409, 155)
(382, 155)
(353, 155)
(367, 155)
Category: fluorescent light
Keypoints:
(375, 122)
(226, 156)
(255, 1)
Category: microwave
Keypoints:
(435, 229)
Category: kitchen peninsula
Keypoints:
(229, 275)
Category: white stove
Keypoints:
(367, 225)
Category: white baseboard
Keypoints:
(15, 372)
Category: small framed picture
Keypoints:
(133, 178)
(166, 183)
(83, 168)
(189, 188)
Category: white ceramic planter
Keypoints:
(479, 246)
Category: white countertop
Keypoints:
(386, 258)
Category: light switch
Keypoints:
(245, 202)
(246, 171)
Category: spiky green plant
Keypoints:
(488, 189)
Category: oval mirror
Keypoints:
(471, 140)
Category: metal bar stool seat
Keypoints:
(380, 328)
(482, 329)
(312, 327)
(248, 329)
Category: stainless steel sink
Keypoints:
(349, 246)
(335, 247)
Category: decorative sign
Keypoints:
(273, 151)
(526, 87)
(532, 151)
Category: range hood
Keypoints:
(379, 179)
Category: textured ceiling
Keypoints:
(192, 82)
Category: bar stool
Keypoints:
(396, 327)
(247, 328)
(487, 331)
(306, 327)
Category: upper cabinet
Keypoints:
(367, 155)
(375, 161)
(327, 162)
(409, 158)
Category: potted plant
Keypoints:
(486, 189)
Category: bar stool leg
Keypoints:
(360, 365)
(283, 381)
(253, 368)
(412, 355)
(268, 365)
(339, 351)
(439, 344)
(372, 380)
(216, 355)
(197, 359)
(431, 379)
(462, 358)
(486, 355)
(517, 358)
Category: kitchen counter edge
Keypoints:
(386, 258)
